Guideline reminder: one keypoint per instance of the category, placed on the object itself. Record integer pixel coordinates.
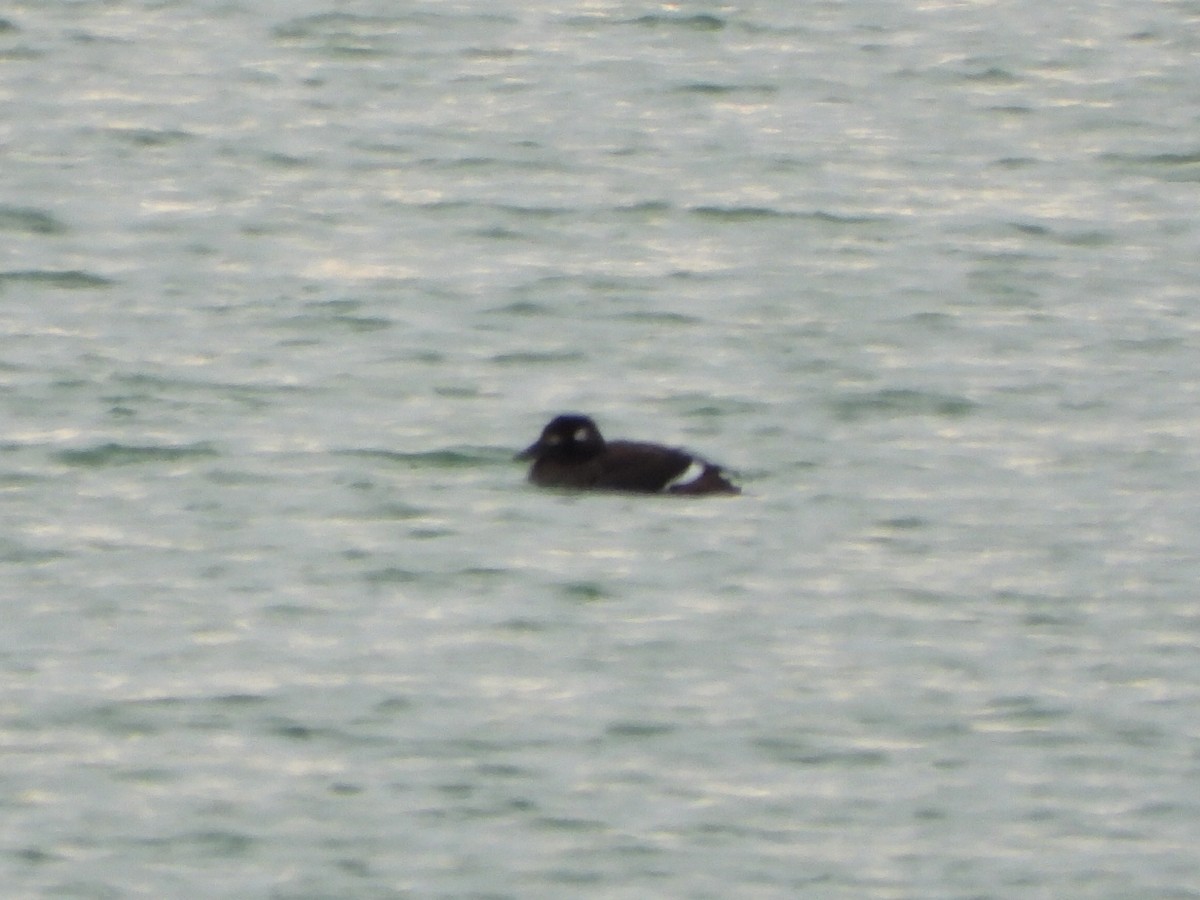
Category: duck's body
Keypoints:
(572, 454)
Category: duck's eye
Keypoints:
(554, 440)
(582, 435)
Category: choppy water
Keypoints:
(283, 287)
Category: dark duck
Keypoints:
(571, 453)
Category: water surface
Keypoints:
(286, 285)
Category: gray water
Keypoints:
(285, 285)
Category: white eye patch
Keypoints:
(582, 434)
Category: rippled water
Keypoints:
(284, 287)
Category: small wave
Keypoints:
(533, 358)
(215, 844)
(646, 207)
(898, 402)
(150, 137)
(584, 591)
(1084, 238)
(73, 279)
(829, 218)
(738, 213)
(734, 214)
(630, 729)
(391, 575)
(113, 454)
(992, 75)
(1158, 159)
(13, 552)
(508, 209)
(699, 22)
(716, 89)
(339, 320)
(434, 459)
(29, 220)
(651, 317)
(522, 308)
(1171, 167)
(342, 34)
(792, 751)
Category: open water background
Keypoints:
(284, 285)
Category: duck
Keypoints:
(571, 453)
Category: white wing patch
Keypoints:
(691, 473)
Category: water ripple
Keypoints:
(114, 454)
